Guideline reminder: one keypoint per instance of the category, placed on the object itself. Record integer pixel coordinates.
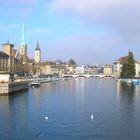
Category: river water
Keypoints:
(68, 106)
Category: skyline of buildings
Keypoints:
(21, 64)
(22, 53)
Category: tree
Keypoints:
(128, 68)
(71, 62)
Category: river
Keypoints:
(69, 106)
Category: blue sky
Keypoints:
(89, 31)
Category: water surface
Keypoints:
(69, 105)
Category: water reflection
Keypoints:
(80, 82)
(126, 100)
(4, 105)
(69, 105)
(125, 92)
(4, 100)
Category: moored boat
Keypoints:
(35, 84)
(129, 81)
(135, 82)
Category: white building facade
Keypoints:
(107, 70)
(119, 63)
(80, 70)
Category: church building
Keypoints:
(22, 52)
(37, 54)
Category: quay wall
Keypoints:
(9, 87)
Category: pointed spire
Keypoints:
(37, 46)
(23, 35)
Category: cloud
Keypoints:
(18, 7)
(18, 2)
(120, 20)
(85, 49)
(121, 16)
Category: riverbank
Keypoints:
(7, 88)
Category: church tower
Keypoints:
(37, 54)
(8, 49)
(23, 48)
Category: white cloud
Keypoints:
(119, 15)
(18, 7)
(119, 19)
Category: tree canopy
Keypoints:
(71, 62)
(128, 68)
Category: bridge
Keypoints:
(86, 75)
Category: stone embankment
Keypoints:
(11, 87)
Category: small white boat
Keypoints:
(129, 81)
(35, 84)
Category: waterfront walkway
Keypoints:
(87, 75)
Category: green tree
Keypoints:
(71, 62)
(128, 68)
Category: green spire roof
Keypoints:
(23, 35)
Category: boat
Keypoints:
(35, 84)
(54, 78)
(135, 82)
(129, 81)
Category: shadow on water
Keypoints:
(125, 91)
(10, 99)
(18, 93)
(126, 97)
(127, 100)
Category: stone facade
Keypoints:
(70, 69)
(80, 70)
(8, 49)
(6, 88)
(4, 62)
(107, 70)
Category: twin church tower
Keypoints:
(22, 51)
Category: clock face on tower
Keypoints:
(22, 50)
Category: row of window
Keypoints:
(3, 65)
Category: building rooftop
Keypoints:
(4, 55)
(107, 66)
(123, 60)
(8, 44)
